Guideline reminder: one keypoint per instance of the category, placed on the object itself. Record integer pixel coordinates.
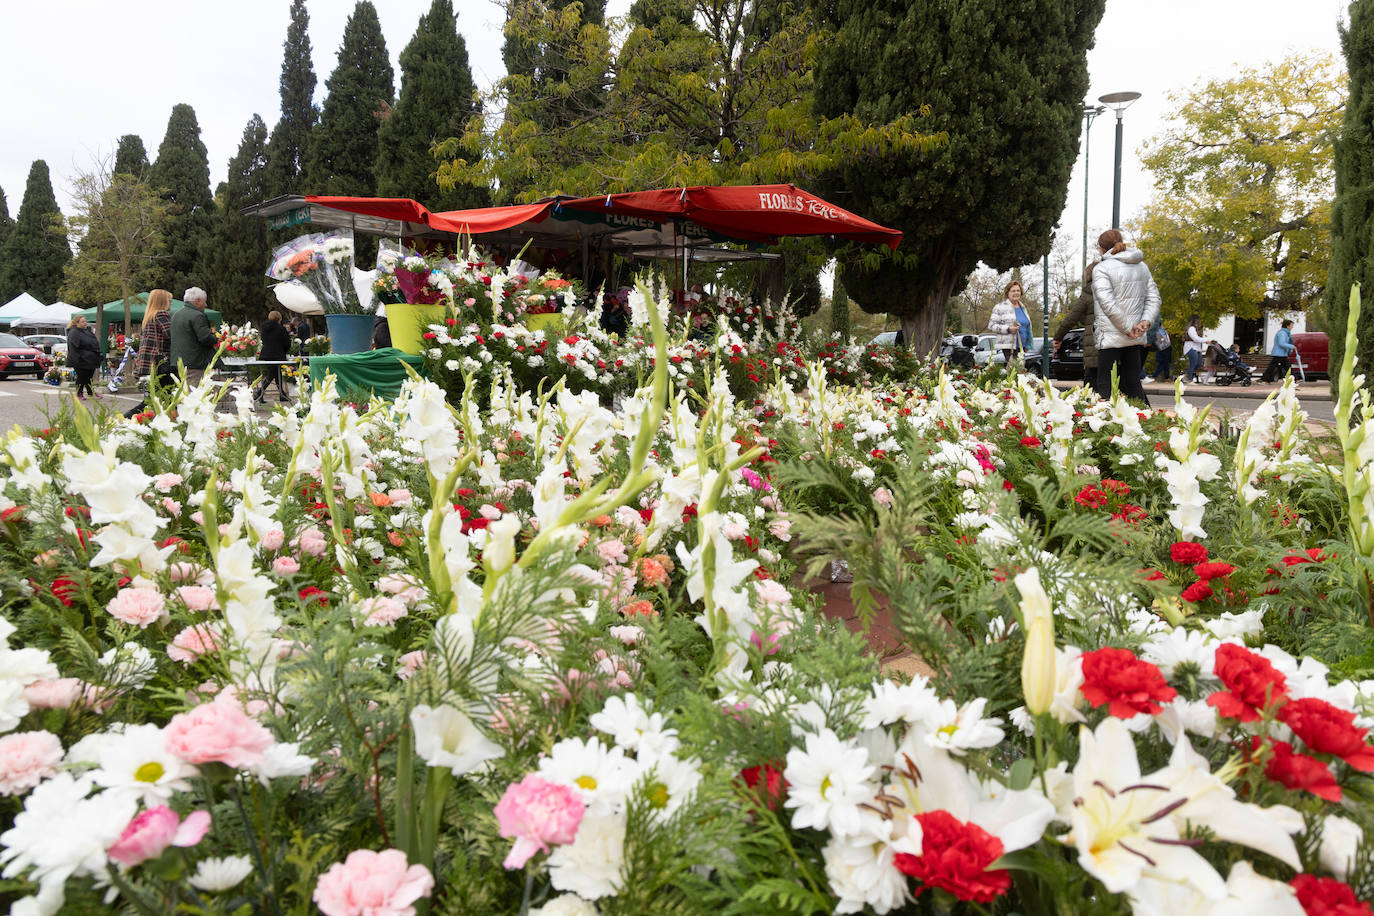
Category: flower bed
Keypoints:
(539, 656)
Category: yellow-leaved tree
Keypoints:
(1244, 178)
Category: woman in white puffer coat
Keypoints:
(1126, 303)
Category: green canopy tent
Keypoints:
(114, 312)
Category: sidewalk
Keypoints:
(1257, 390)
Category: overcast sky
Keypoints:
(81, 73)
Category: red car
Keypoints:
(18, 358)
(1315, 349)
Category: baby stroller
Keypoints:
(1230, 368)
(115, 380)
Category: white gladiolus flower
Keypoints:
(445, 737)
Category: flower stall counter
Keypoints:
(374, 372)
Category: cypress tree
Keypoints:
(1005, 80)
(130, 157)
(236, 251)
(839, 311)
(1352, 214)
(6, 224)
(36, 250)
(437, 99)
(182, 173)
(286, 151)
(343, 145)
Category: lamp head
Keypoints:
(1118, 101)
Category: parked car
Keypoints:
(19, 358)
(885, 339)
(52, 344)
(1314, 348)
(987, 353)
(1065, 363)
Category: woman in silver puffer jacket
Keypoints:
(1126, 303)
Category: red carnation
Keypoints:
(311, 593)
(1091, 497)
(1328, 729)
(1213, 570)
(62, 588)
(1252, 683)
(1030, 442)
(1300, 772)
(1327, 897)
(1189, 553)
(1311, 555)
(1129, 685)
(1198, 591)
(955, 856)
(767, 782)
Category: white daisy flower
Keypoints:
(828, 781)
(220, 874)
(137, 763)
(958, 728)
(602, 775)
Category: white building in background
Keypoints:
(1225, 331)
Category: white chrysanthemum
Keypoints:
(136, 762)
(567, 905)
(1181, 646)
(861, 870)
(220, 874)
(62, 834)
(129, 665)
(625, 719)
(1236, 626)
(668, 783)
(828, 781)
(956, 728)
(892, 702)
(602, 776)
(590, 866)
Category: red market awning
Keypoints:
(747, 213)
(401, 209)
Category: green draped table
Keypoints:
(379, 372)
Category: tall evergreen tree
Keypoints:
(343, 145)
(6, 224)
(1352, 215)
(236, 252)
(1005, 80)
(286, 151)
(130, 157)
(437, 99)
(36, 250)
(182, 173)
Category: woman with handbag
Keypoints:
(1010, 323)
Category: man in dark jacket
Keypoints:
(276, 346)
(193, 340)
(1081, 316)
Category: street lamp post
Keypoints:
(1089, 113)
(1045, 317)
(1118, 102)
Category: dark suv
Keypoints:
(1065, 363)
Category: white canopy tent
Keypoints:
(21, 305)
(48, 317)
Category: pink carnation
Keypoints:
(380, 611)
(371, 883)
(26, 759)
(165, 482)
(56, 693)
(198, 597)
(773, 592)
(489, 512)
(217, 732)
(311, 542)
(629, 635)
(537, 812)
(733, 531)
(285, 566)
(189, 572)
(613, 551)
(883, 497)
(138, 606)
(193, 642)
(171, 505)
(400, 497)
(411, 662)
(149, 834)
(273, 539)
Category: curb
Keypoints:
(1307, 391)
